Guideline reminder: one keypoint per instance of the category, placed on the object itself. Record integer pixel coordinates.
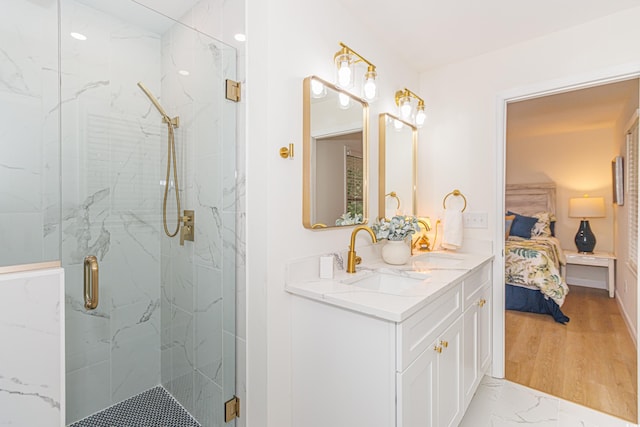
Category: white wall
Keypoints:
(577, 162)
(626, 277)
(289, 40)
(464, 133)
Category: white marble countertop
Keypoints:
(428, 276)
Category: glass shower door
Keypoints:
(166, 313)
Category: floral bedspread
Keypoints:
(535, 264)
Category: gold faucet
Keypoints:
(422, 243)
(352, 259)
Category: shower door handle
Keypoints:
(91, 282)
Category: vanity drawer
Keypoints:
(419, 331)
(472, 286)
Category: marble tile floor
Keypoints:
(501, 403)
(152, 408)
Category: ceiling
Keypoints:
(592, 108)
(431, 33)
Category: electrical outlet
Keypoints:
(475, 219)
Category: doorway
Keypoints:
(558, 138)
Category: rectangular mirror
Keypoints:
(335, 156)
(398, 142)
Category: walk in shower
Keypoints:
(83, 172)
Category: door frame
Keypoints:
(570, 83)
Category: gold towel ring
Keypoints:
(454, 193)
(395, 196)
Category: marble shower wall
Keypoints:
(198, 279)
(112, 154)
(32, 357)
(112, 146)
(29, 185)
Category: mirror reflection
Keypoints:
(335, 156)
(397, 168)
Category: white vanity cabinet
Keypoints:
(351, 369)
(477, 330)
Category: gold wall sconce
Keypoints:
(287, 152)
(404, 101)
(345, 60)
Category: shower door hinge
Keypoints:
(233, 90)
(231, 409)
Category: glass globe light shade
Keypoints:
(369, 88)
(420, 116)
(344, 64)
(318, 90)
(344, 101)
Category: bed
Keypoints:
(533, 256)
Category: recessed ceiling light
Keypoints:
(240, 37)
(183, 72)
(78, 36)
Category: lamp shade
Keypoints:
(586, 207)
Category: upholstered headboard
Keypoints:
(528, 199)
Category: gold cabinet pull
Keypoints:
(482, 302)
(444, 344)
(91, 282)
(437, 348)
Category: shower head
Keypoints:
(155, 102)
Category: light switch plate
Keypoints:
(475, 219)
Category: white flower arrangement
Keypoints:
(350, 219)
(396, 228)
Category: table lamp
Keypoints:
(586, 207)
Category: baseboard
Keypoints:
(627, 321)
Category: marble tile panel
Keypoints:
(208, 402)
(208, 246)
(133, 267)
(229, 282)
(85, 228)
(135, 366)
(87, 331)
(182, 281)
(208, 17)
(182, 343)
(31, 312)
(88, 391)
(24, 230)
(208, 329)
(181, 388)
(229, 363)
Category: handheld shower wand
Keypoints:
(172, 124)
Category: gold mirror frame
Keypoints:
(385, 123)
(308, 163)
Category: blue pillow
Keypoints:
(522, 225)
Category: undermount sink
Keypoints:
(386, 283)
(437, 260)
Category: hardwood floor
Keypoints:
(590, 361)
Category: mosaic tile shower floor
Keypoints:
(152, 408)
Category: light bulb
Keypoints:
(344, 63)
(405, 108)
(420, 116)
(369, 87)
(344, 75)
(397, 124)
(344, 100)
(317, 89)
